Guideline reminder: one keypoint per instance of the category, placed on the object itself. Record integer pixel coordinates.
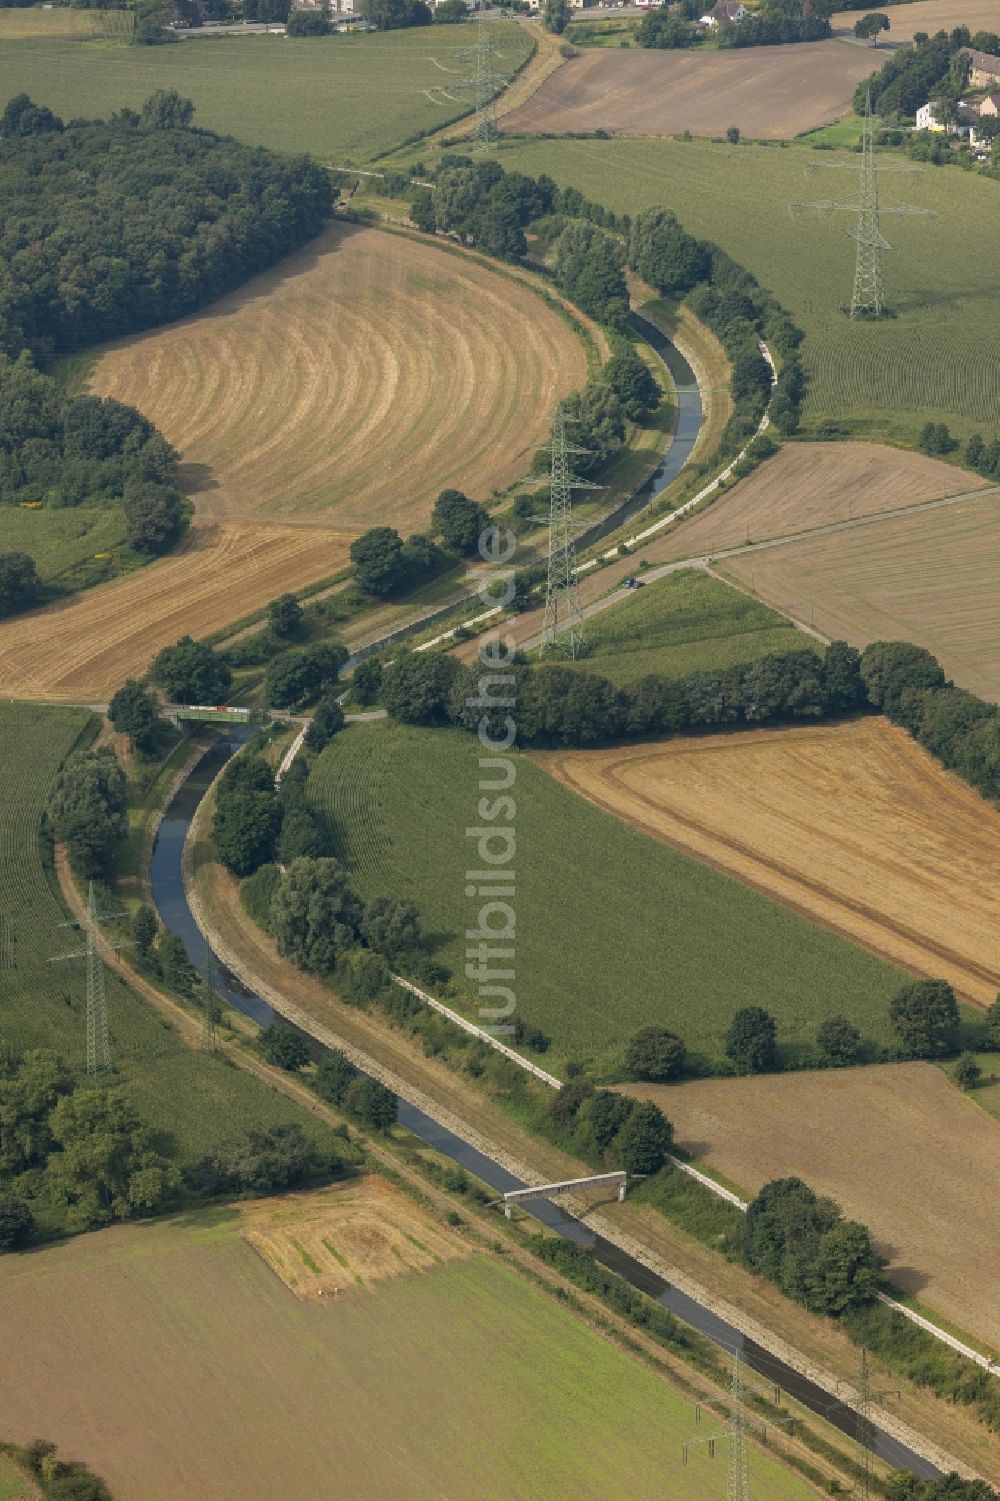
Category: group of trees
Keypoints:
(20, 586)
(982, 456)
(339, 1083)
(87, 809)
(557, 706)
(909, 686)
(255, 822)
(190, 672)
(933, 68)
(803, 1244)
(779, 21)
(111, 226)
(385, 565)
(58, 1479)
(609, 1129)
(906, 1487)
(268, 1160)
(297, 678)
(74, 1144)
(590, 269)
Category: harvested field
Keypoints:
(927, 577)
(852, 824)
(351, 1235)
(212, 1381)
(352, 383)
(898, 1146)
(768, 92)
(925, 15)
(86, 647)
(807, 485)
(34, 22)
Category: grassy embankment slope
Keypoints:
(193, 1099)
(342, 98)
(935, 360)
(615, 930)
(686, 622)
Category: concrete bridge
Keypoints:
(545, 1190)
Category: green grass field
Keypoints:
(13, 1485)
(937, 358)
(192, 1098)
(614, 929)
(462, 1381)
(64, 543)
(342, 98)
(686, 622)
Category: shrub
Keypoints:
(967, 1071)
(327, 719)
(285, 1047)
(19, 583)
(751, 1041)
(838, 1041)
(655, 1054)
(372, 1103)
(17, 1223)
(257, 894)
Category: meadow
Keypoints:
(394, 1391)
(615, 930)
(936, 359)
(927, 577)
(852, 1133)
(191, 1099)
(343, 99)
(66, 544)
(852, 824)
(685, 622)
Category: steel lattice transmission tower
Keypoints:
(563, 631)
(868, 298)
(213, 1010)
(865, 1432)
(484, 86)
(739, 1471)
(98, 1039)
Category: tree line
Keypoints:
(933, 67)
(773, 23)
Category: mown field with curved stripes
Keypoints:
(936, 359)
(352, 383)
(614, 929)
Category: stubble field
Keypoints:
(928, 577)
(898, 1146)
(937, 359)
(307, 407)
(853, 825)
(373, 1393)
(767, 91)
(807, 485)
(349, 385)
(925, 15)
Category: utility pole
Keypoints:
(98, 1039)
(563, 632)
(864, 1431)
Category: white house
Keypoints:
(724, 12)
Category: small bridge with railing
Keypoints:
(546, 1190)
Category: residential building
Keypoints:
(984, 68)
(724, 13)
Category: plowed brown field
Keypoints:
(897, 1146)
(852, 824)
(86, 647)
(807, 485)
(767, 91)
(351, 384)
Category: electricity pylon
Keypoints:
(213, 1010)
(868, 298)
(98, 1040)
(484, 85)
(864, 1431)
(563, 632)
(739, 1427)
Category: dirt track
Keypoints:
(897, 1146)
(770, 92)
(852, 824)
